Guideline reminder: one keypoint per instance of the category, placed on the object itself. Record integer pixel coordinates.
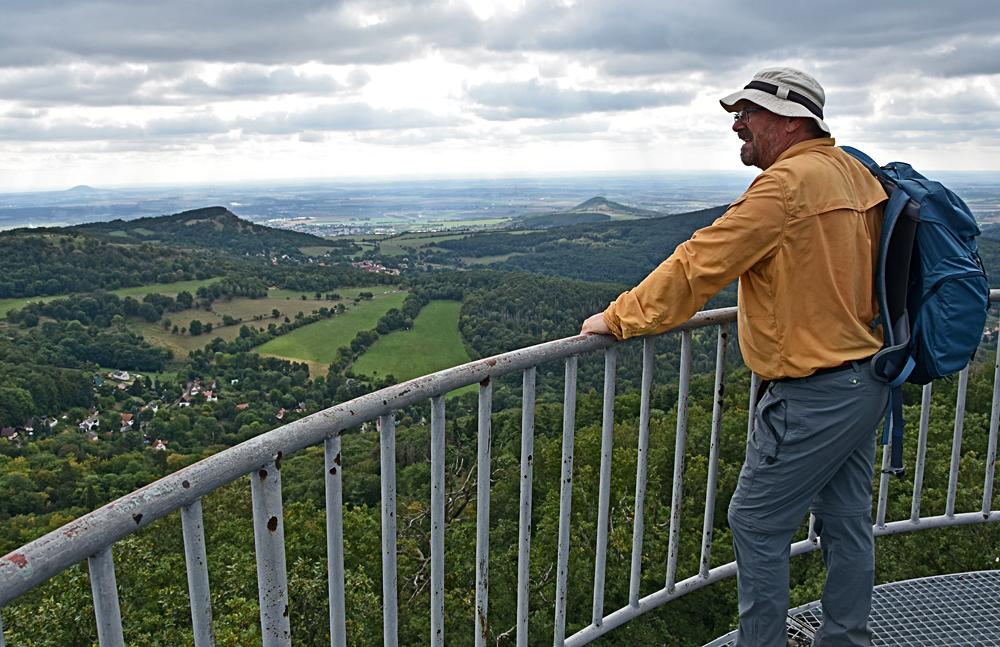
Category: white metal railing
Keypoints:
(92, 536)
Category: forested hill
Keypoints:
(190, 245)
(213, 227)
(597, 209)
(621, 251)
(600, 204)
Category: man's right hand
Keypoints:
(594, 325)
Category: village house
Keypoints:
(91, 422)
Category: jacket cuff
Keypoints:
(612, 321)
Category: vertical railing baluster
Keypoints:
(3, 643)
(524, 522)
(437, 521)
(991, 452)
(812, 528)
(883, 484)
(642, 459)
(565, 501)
(752, 406)
(707, 530)
(679, 447)
(333, 466)
(918, 472)
(269, 542)
(956, 443)
(196, 561)
(483, 513)
(604, 492)
(387, 442)
(105, 591)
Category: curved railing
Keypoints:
(92, 536)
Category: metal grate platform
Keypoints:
(940, 611)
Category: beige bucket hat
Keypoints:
(784, 91)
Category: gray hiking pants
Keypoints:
(812, 448)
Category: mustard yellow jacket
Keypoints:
(802, 240)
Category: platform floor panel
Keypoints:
(961, 609)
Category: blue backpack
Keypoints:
(931, 287)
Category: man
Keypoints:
(802, 241)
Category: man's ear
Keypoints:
(793, 124)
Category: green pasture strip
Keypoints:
(433, 344)
(7, 305)
(319, 342)
(180, 344)
(166, 288)
(401, 245)
(345, 293)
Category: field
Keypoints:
(140, 291)
(317, 344)
(431, 345)
(256, 313)
(467, 223)
(400, 245)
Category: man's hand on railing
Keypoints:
(594, 325)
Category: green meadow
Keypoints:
(257, 313)
(317, 344)
(403, 244)
(139, 291)
(433, 344)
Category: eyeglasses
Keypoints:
(744, 115)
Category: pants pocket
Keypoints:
(769, 426)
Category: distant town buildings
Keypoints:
(375, 268)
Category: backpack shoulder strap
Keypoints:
(867, 162)
(892, 269)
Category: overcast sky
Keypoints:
(120, 92)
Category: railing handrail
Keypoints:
(91, 536)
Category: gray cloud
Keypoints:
(342, 117)
(531, 99)
(83, 85)
(309, 124)
(625, 37)
(23, 113)
(254, 81)
(89, 85)
(262, 31)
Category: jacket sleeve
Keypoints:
(749, 232)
